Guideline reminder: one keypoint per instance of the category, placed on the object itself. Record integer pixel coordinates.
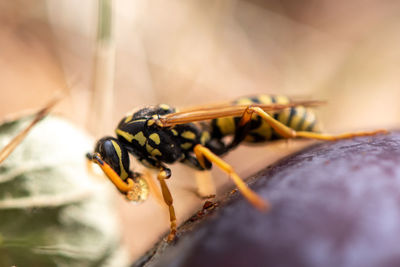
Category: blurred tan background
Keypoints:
(193, 52)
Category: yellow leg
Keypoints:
(163, 174)
(251, 196)
(287, 132)
(205, 184)
(153, 187)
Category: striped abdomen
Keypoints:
(298, 118)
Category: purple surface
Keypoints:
(334, 204)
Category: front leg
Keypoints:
(165, 173)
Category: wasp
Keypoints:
(160, 135)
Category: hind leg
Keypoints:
(287, 132)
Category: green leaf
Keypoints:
(51, 212)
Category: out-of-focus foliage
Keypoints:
(51, 213)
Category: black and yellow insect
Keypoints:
(159, 135)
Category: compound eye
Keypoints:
(112, 152)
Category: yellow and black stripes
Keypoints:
(153, 144)
(141, 134)
(298, 118)
(158, 135)
(115, 154)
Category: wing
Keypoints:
(214, 111)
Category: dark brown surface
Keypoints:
(334, 204)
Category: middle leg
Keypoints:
(202, 153)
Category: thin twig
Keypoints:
(103, 73)
(6, 151)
